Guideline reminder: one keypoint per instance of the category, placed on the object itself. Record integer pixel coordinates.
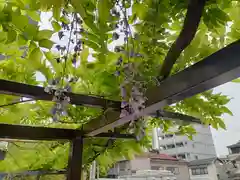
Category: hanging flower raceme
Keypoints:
(61, 86)
(132, 90)
(59, 97)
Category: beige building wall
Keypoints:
(181, 168)
(143, 163)
(140, 164)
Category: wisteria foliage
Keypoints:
(109, 48)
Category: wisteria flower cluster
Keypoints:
(59, 87)
(132, 90)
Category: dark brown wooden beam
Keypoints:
(35, 92)
(214, 70)
(114, 135)
(20, 133)
(75, 160)
(38, 93)
(10, 131)
(175, 116)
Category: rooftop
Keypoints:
(162, 157)
(158, 155)
(203, 161)
(235, 145)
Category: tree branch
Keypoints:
(190, 26)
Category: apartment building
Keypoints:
(208, 169)
(234, 150)
(234, 157)
(181, 147)
(151, 161)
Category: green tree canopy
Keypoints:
(87, 50)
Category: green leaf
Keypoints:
(56, 13)
(79, 8)
(3, 36)
(2, 4)
(56, 26)
(44, 34)
(103, 11)
(20, 21)
(34, 15)
(91, 37)
(236, 80)
(65, 20)
(46, 43)
(226, 110)
(92, 26)
(84, 56)
(91, 44)
(32, 46)
(22, 41)
(52, 59)
(127, 4)
(36, 55)
(11, 36)
(140, 9)
(30, 31)
(221, 124)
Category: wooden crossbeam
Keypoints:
(175, 116)
(38, 93)
(115, 136)
(11, 132)
(214, 70)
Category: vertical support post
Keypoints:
(75, 159)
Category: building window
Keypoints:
(180, 144)
(199, 171)
(161, 168)
(174, 170)
(168, 135)
(181, 156)
(133, 171)
(155, 167)
(162, 147)
(235, 150)
(123, 165)
(161, 137)
(170, 146)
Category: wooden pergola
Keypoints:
(216, 69)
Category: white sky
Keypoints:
(224, 138)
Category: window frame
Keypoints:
(174, 170)
(199, 171)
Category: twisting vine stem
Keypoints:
(55, 87)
